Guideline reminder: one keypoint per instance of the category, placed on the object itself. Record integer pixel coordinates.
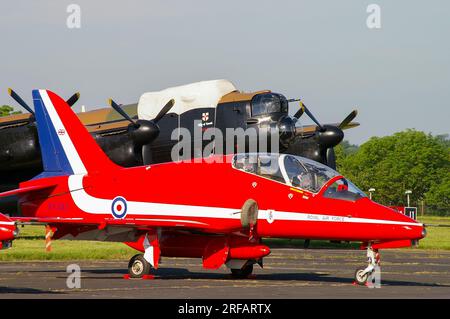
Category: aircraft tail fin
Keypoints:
(67, 148)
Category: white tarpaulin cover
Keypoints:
(187, 97)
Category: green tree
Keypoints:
(408, 160)
(438, 197)
(6, 110)
(343, 150)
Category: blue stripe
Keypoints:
(54, 158)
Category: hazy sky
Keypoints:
(398, 76)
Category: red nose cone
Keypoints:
(386, 224)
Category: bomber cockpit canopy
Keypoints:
(296, 171)
(269, 103)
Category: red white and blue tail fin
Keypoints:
(67, 148)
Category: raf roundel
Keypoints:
(119, 207)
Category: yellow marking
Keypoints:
(9, 91)
(297, 190)
(109, 102)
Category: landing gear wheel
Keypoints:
(244, 272)
(138, 266)
(360, 277)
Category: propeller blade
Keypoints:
(311, 116)
(147, 154)
(348, 119)
(119, 110)
(19, 100)
(73, 99)
(300, 111)
(164, 110)
(331, 158)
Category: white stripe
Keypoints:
(71, 153)
(93, 205)
(7, 223)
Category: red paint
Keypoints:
(7, 228)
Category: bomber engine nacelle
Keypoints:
(8, 232)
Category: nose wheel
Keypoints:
(363, 274)
(138, 267)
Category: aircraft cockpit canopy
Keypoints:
(269, 103)
(298, 172)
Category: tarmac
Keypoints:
(287, 273)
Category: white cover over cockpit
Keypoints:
(205, 94)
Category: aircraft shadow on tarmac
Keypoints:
(183, 274)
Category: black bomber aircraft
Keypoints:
(141, 133)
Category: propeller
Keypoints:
(119, 110)
(19, 100)
(326, 136)
(348, 119)
(300, 111)
(313, 118)
(143, 132)
(71, 101)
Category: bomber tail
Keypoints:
(67, 148)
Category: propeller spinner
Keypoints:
(326, 136)
(143, 132)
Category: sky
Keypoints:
(396, 76)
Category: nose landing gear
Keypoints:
(362, 274)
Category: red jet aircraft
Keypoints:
(217, 210)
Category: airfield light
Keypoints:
(371, 190)
(408, 192)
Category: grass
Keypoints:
(438, 232)
(31, 245)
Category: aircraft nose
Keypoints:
(424, 231)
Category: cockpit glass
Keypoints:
(268, 103)
(288, 169)
(345, 190)
(307, 174)
(259, 164)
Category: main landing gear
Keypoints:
(138, 267)
(362, 274)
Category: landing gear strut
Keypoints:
(373, 258)
(138, 267)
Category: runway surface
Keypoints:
(287, 273)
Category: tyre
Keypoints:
(244, 272)
(361, 278)
(249, 213)
(138, 266)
